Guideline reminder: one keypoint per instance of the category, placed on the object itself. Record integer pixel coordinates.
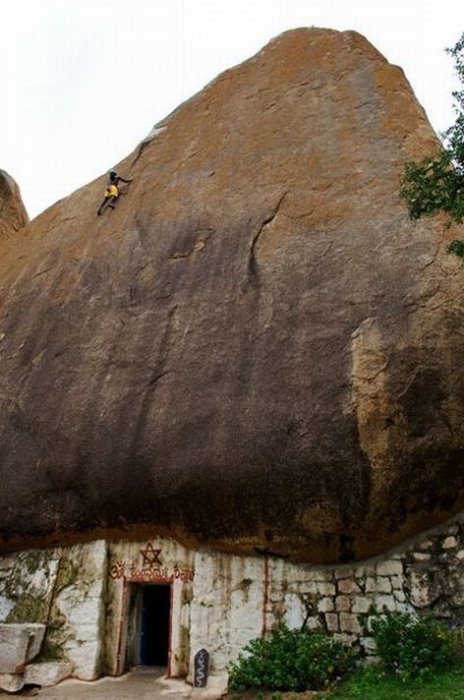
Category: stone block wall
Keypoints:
(243, 597)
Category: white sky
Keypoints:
(83, 81)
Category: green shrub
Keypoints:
(412, 647)
(291, 660)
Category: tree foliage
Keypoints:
(437, 183)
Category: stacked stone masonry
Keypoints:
(83, 594)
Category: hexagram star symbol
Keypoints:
(150, 555)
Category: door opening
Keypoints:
(154, 635)
(149, 625)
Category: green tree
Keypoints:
(437, 183)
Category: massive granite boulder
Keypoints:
(13, 215)
(257, 350)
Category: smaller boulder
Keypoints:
(13, 215)
(11, 682)
(19, 644)
(47, 673)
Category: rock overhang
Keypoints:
(256, 350)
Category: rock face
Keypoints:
(257, 350)
(13, 215)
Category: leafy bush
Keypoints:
(291, 660)
(412, 647)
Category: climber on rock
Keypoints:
(112, 191)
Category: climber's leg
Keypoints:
(102, 207)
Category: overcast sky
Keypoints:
(83, 81)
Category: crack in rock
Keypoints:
(252, 268)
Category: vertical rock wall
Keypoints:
(64, 589)
(262, 251)
(78, 611)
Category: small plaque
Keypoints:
(201, 665)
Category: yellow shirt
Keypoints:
(111, 191)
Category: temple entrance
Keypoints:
(148, 633)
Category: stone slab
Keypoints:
(19, 643)
(47, 673)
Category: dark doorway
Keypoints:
(154, 632)
(148, 631)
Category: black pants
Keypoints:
(107, 202)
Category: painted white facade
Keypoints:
(84, 595)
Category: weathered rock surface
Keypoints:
(257, 350)
(13, 215)
(47, 673)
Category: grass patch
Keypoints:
(370, 684)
